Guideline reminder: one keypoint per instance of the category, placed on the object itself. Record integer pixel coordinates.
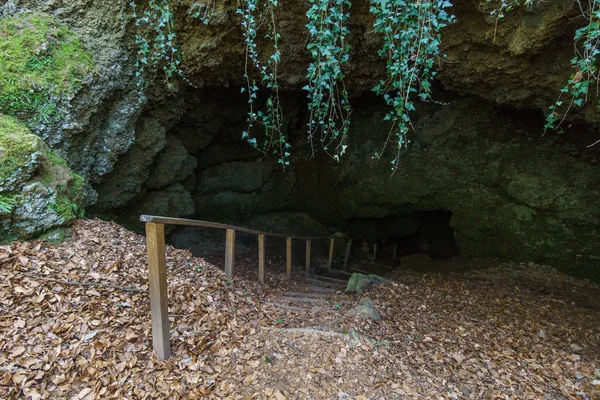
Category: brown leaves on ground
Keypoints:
(75, 324)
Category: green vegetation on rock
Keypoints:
(40, 62)
(19, 154)
(38, 191)
(360, 282)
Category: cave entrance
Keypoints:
(425, 232)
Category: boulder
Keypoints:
(38, 191)
(365, 309)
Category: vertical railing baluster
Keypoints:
(261, 258)
(307, 258)
(288, 256)
(229, 252)
(330, 261)
(157, 276)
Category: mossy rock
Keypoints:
(20, 154)
(41, 62)
(38, 191)
(358, 283)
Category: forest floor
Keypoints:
(75, 324)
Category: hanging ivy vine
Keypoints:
(586, 76)
(258, 18)
(204, 11)
(328, 102)
(155, 40)
(586, 44)
(498, 9)
(411, 40)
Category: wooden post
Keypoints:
(288, 256)
(308, 256)
(347, 255)
(261, 258)
(395, 251)
(330, 261)
(157, 275)
(374, 251)
(229, 252)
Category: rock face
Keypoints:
(98, 113)
(478, 179)
(38, 191)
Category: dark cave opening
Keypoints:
(483, 167)
(426, 232)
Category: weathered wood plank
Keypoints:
(261, 258)
(347, 255)
(157, 276)
(339, 271)
(307, 265)
(328, 279)
(321, 289)
(312, 300)
(282, 306)
(375, 252)
(330, 260)
(288, 257)
(324, 283)
(229, 252)
(319, 295)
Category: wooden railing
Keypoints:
(155, 239)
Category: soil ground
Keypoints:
(75, 324)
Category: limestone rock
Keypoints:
(39, 191)
(126, 181)
(174, 164)
(173, 201)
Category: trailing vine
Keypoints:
(500, 8)
(328, 104)
(155, 41)
(576, 92)
(586, 75)
(203, 11)
(259, 16)
(411, 40)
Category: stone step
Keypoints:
(328, 279)
(285, 307)
(320, 295)
(309, 300)
(339, 271)
(321, 289)
(324, 283)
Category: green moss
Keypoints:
(40, 61)
(19, 150)
(56, 235)
(70, 198)
(7, 202)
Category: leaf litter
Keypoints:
(75, 324)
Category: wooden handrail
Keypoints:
(155, 238)
(218, 225)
